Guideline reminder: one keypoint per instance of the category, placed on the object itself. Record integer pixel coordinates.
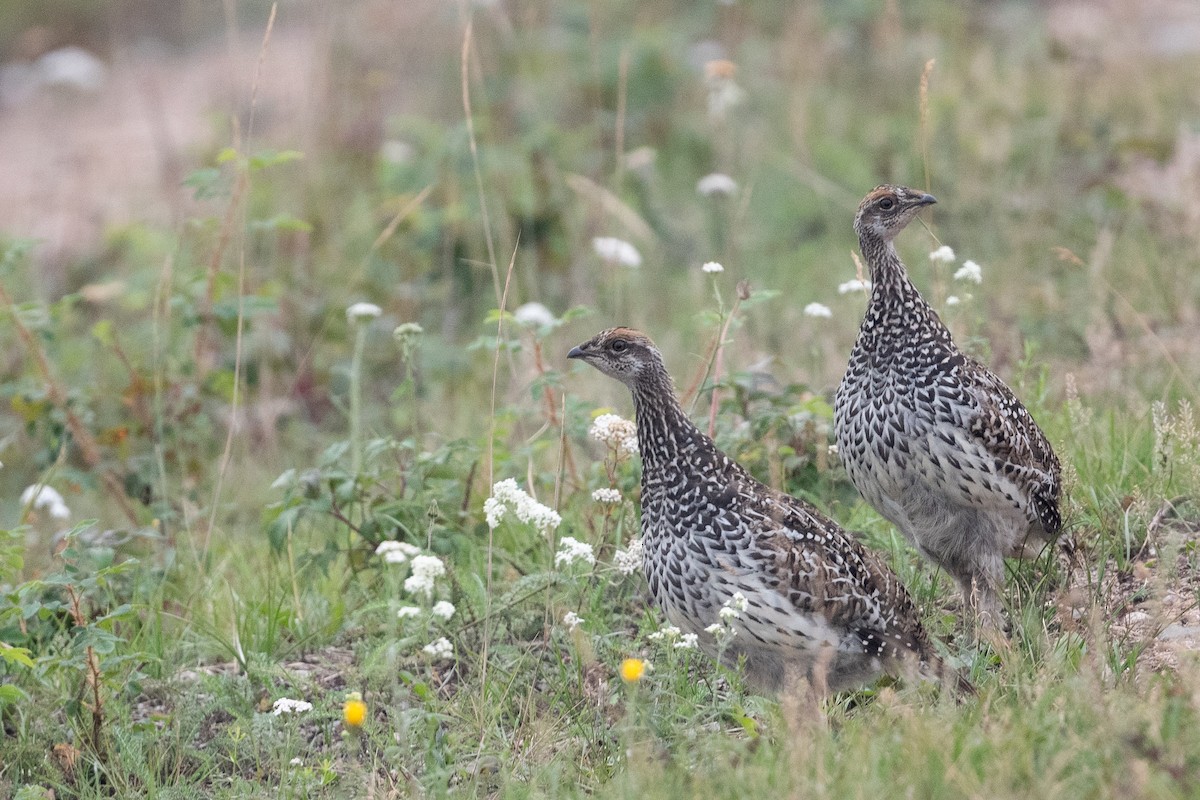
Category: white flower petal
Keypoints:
(716, 183)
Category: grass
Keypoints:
(196, 583)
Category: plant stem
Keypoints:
(356, 444)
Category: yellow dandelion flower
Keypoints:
(354, 712)
(632, 670)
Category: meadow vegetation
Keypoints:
(312, 442)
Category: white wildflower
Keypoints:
(362, 312)
(642, 158)
(615, 432)
(733, 607)
(425, 570)
(953, 300)
(716, 183)
(687, 641)
(407, 612)
(507, 495)
(47, 497)
(668, 632)
(629, 561)
(818, 310)
(721, 632)
(617, 251)
(407, 329)
(944, 254)
(394, 552)
(855, 285)
(608, 497)
(571, 550)
(494, 509)
(712, 267)
(286, 705)
(396, 151)
(534, 315)
(296, 762)
(443, 608)
(969, 271)
(440, 650)
(572, 620)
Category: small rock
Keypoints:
(1137, 617)
(1177, 631)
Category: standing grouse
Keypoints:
(817, 604)
(933, 439)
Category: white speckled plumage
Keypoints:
(934, 440)
(819, 605)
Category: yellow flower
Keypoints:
(354, 712)
(632, 670)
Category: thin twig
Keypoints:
(719, 361)
(483, 670)
(89, 448)
(487, 223)
(244, 178)
(622, 93)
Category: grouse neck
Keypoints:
(663, 429)
(889, 278)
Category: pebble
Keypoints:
(1178, 631)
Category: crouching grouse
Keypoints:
(817, 604)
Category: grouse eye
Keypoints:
(618, 346)
(887, 203)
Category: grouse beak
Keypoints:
(576, 352)
(926, 200)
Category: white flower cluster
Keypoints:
(425, 570)
(712, 267)
(506, 496)
(818, 310)
(723, 631)
(629, 561)
(607, 497)
(616, 432)
(667, 632)
(571, 550)
(969, 271)
(46, 497)
(443, 608)
(440, 650)
(617, 251)
(285, 705)
(394, 552)
(407, 612)
(671, 635)
(362, 312)
(943, 254)
(733, 607)
(572, 620)
(716, 183)
(854, 285)
(534, 315)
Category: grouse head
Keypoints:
(888, 209)
(622, 353)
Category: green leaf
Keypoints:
(272, 158)
(11, 695)
(15, 655)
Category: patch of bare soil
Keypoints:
(1153, 605)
